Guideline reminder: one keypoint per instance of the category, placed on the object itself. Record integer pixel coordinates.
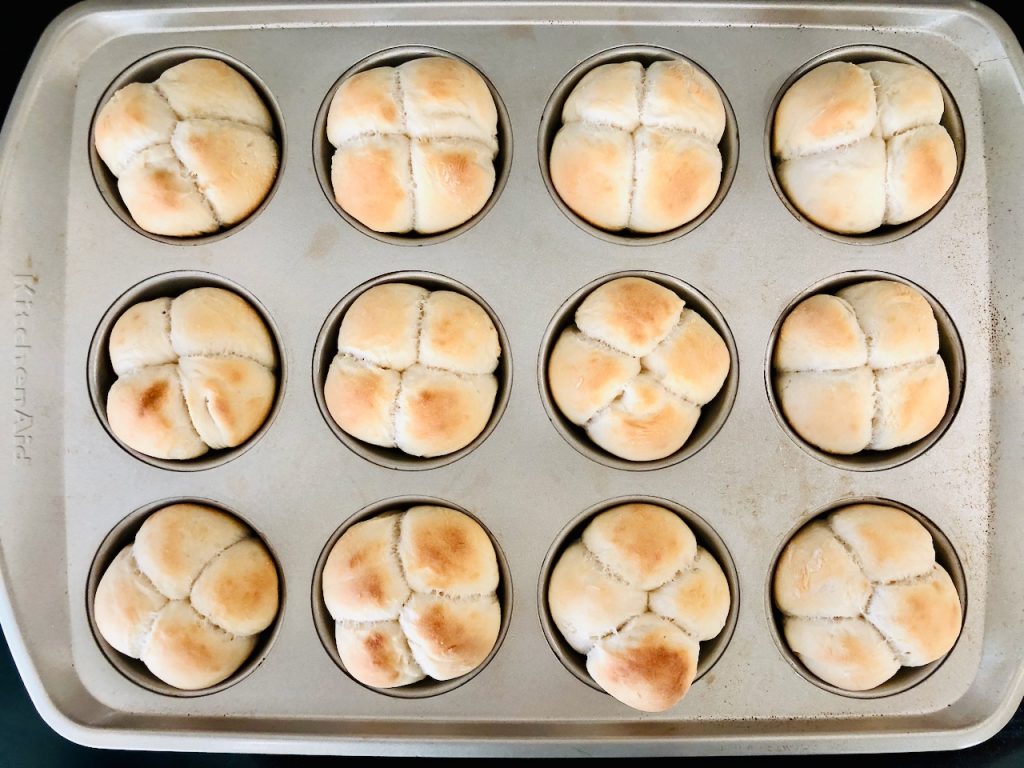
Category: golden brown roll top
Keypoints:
(637, 595)
(415, 145)
(414, 370)
(413, 594)
(862, 596)
(638, 148)
(636, 368)
(859, 146)
(193, 151)
(194, 373)
(189, 596)
(860, 370)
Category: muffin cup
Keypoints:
(121, 536)
(148, 69)
(101, 376)
(323, 150)
(327, 348)
(951, 121)
(907, 677)
(710, 650)
(551, 121)
(325, 624)
(951, 350)
(712, 415)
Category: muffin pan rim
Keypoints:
(707, 537)
(324, 624)
(286, 706)
(106, 182)
(722, 403)
(906, 677)
(99, 371)
(951, 350)
(551, 122)
(951, 119)
(325, 351)
(323, 150)
(134, 670)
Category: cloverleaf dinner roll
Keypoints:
(859, 146)
(637, 595)
(413, 595)
(189, 597)
(862, 596)
(635, 368)
(638, 148)
(415, 145)
(193, 152)
(860, 370)
(194, 373)
(414, 370)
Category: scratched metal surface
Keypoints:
(66, 483)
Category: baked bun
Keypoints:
(194, 373)
(189, 597)
(859, 146)
(414, 370)
(193, 151)
(862, 596)
(636, 368)
(414, 145)
(638, 149)
(413, 595)
(860, 370)
(637, 594)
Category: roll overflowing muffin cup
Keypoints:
(635, 368)
(195, 373)
(637, 595)
(193, 152)
(638, 147)
(413, 594)
(859, 146)
(862, 596)
(189, 596)
(414, 145)
(861, 370)
(414, 370)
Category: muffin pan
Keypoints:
(68, 485)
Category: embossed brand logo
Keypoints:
(24, 295)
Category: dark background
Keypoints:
(26, 740)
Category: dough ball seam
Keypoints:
(899, 655)
(869, 341)
(400, 100)
(187, 173)
(394, 409)
(415, 652)
(148, 635)
(602, 345)
(168, 330)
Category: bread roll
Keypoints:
(414, 370)
(639, 149)
(414, 145)
(862, 595)
(189, 597)
(193, 151)
(860, 370)
(413, 595)
(859, 146)
(195, 373)
(637, 595)
(636, 368)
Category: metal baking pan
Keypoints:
(66, 484)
